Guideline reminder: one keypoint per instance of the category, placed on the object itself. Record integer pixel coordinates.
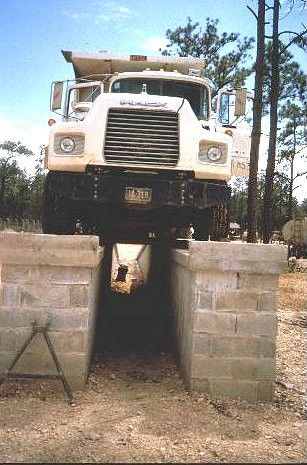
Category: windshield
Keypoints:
(196, 94)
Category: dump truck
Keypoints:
(136, 153)
(294, 233)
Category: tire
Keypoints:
(58, 213)
(202, 225)
(220, 222)
(214, 222)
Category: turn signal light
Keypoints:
(229, 132)
(51, 121)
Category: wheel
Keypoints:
(202, 225)
(220, 222)
(58, 213)
(214, 222)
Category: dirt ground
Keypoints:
(135, 408)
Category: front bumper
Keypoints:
(167, 189)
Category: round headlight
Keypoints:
(67, 144)
(214, 153)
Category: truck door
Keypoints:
(234, 116)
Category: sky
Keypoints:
(33, 33)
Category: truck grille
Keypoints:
(142, 137)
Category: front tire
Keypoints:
(213, 222)
(202, 225)
(220, 222)
(58, 213)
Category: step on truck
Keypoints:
(136, 153)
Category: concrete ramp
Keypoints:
(221, 299)
(224, 300)
(46, 278)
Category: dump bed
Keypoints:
(94, 64)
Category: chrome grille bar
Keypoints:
(139, 137)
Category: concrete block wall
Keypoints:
(224, 298)
(49, 278)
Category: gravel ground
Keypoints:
(135, 408)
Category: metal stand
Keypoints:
(60, 374)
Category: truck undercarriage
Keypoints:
(124, 205)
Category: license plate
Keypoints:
(138, 194)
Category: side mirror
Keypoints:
(57, 94)
(240, 102)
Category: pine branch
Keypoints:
(252, 11)
(299, 175)
(297, 37)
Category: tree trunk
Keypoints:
(290, 201)
(256, 131)
(274, 94)
(290, 205)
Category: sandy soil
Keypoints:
(135, 408)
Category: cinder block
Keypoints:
(15, 318)
(60, 319)
(237, 300)
(203, 300)
(262, 282)
(266, 390)
(70, 341)
(264, 324)
(222, 323)
(45, 296)
(6, 359)
(253, 369)
(10, 295)
(79, 295)
(202, 343)
(232, 256)
(70, 319)
(199, 385)
(62, 341)
(267, 302)
(34, 274)
(225, 346)
(216, 281)
(19, 274)
(231, 264)
(266, 347)
(207, 367)
(34, 363)
(73, 366)
(66, 274)
(243, 390)
(237, 251)
(7, 340)
(48, 249)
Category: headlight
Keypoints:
(71, 144)
(67, 144)
(214, 153)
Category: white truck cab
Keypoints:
(137, 152)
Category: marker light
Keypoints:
(51, 121)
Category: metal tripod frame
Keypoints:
(59, 375)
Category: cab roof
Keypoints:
(98, 63)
